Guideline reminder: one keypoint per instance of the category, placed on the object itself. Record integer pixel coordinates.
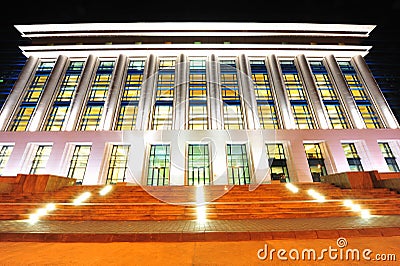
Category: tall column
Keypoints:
(378, 98)
(17, 91)
(247, 94)
(147, 95)
(81, 92)
(284, 114)
(180, 105)
(312, 92)
(346, 96)
(114, 95)
(214, 103)
(48, 93)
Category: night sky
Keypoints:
(383, 13)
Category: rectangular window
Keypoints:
(5, 153)
(117, 164)
(315, 160)
(297, 97)
(277, 162)
(131, 95)
(264, 96)
(63, 100)
(159, 163)
(389, 156)
(79, 160)
(30, 100)
(360, 96)
(233, 115)
(198, 165)
(330, 99)
(238, 164)
(97, 96)
(352, 157)
(162, 115)
(197, 94)
(40, 159)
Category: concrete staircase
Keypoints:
(130, 203)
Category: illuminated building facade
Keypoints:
(196, 104)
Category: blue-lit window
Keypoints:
(8, 76)
(117, 165)
(352, 156)
(238, 164)
(360, 95)
(66, 93)
(264, 96)
(295, 91)
(198, 164)
(316, 160)
(5, 153)
(197, 94)
(79, 160)
(40, 159)
(389, 157)
(233, 116)
(159, 165)
(25, 110)
(277, 162)
(162, 114)
(131, 95)
(333, 107)
(97, 96)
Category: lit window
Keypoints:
(352, 156)
(63, 100)
(389, 157)
(328, 95)
(198, 164)
(31, 98)
(79, 160)
(40, 159)
(159, 163)
(5, 153)
(264, 97)
(131, 95)
(277, 161)
(238, 165)
(197, 94)
(162, 114)
(117, 164)
(315, 160)
(233, 116)
(363, 101)
(97, 96)
(295, 91)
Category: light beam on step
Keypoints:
(317, 196)
(34, 217)
(104, 191)
(201, 210)
(83, 197)
(292, 187)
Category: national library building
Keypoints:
(164, 104)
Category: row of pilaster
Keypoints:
(181, 94)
